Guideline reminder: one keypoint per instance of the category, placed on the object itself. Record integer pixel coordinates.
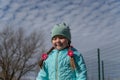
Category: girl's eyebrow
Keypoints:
(59, 36)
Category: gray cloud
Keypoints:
(91, 21)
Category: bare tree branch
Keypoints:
(17, 51)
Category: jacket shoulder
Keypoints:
(76, 52)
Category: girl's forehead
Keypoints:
(59, 36)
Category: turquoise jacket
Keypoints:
(57, 67)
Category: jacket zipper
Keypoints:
(57, 66)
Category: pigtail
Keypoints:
(42, 60)
(41, 63)
(72, 61)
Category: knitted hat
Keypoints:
(61, 29)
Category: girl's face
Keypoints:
(59, 42)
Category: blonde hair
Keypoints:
(72, 61)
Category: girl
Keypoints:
(62, 61)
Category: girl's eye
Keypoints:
(54, 38)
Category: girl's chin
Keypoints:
(59, 48)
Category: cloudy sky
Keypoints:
(93, 23)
